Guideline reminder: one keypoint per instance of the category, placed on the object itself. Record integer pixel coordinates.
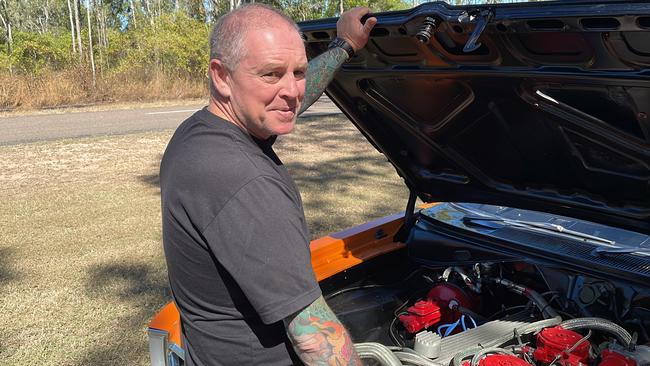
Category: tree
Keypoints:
(78, 28)
(90, 44)
(6, 23)
(71, 16)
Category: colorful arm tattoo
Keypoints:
(319, 338)
(320, 72)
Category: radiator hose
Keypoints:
(603, 325)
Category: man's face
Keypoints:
(268, 85)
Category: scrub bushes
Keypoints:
(163, 60)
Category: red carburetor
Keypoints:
(612, 358)
(561, 346)
(439, 306)
(502, 360)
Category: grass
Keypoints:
(58, 89)
(81, 263)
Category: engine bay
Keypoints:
(491, 314)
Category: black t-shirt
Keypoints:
(236, 244)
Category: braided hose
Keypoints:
(603, 325)
(478, 355)
(411, 357)
(377, 352)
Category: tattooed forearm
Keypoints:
(320, 72)
(319, 338)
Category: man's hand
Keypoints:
(349, 27)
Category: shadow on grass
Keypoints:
(153, 180)
(339, 176)
(7, 272)
(142, 290)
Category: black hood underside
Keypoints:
(548, 112)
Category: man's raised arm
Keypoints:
(319, 338)
(321, 69)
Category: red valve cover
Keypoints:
(552, 344)
(499, 360)
(435, 308)
(613, 358)
(502, 360)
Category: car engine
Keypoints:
(496, 314)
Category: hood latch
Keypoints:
(481, 17)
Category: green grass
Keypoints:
(81, 263)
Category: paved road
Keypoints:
(15, 130)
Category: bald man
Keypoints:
(234, 231)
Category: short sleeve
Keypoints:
(261, 239)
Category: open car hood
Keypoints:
(547, 110)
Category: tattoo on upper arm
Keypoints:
(319, 338)
(320, 73)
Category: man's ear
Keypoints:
(219, 77)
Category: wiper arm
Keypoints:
(540, 227)
(618, 250)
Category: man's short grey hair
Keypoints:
(229, 33)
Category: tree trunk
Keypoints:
(74, 45)
(78, 28)
(149, 13)
(6, 22)
(90, 44)
(340, 7)
(98, 6)
(46, 13)
(135, 22)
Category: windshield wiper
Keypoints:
(619, 250)
(539, 227)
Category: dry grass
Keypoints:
(74, 87)
(81, 263)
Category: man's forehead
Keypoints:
(275, 45)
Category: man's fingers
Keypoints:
(369, 24)
(359, 11)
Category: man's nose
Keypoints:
(290, 88)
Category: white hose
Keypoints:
(378, 352)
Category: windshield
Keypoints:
(481, 2)
(473, 216)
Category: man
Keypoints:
(234, 231)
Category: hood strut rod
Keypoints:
(409, 214)
(409, 219)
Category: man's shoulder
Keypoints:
(211, 152)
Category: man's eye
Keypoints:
(299, 75)
(272, 76)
